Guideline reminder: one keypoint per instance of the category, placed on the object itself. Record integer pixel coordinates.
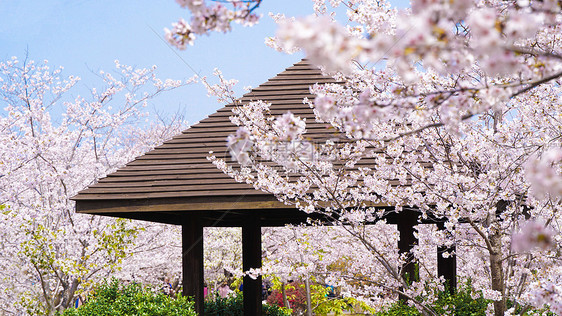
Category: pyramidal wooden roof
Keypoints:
(177, 176)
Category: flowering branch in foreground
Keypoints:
(456, 107)
(206, 19)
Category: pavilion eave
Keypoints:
(221, 211)
(215, 203)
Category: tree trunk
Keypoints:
(496, 270)
(284, 294)
(308, 300)
(68, 294)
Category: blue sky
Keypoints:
(85, 36)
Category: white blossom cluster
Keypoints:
(533, 234)
(50, 254)
(451, 107)
(545, 173)
(205, 19)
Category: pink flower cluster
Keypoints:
(533, 234)
(547, 293)
(205, 19)
(444, 107)
(325, 42)
(239, 145)
(53, 143)
(545, 173)
(289, 127)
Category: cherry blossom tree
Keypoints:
(455, 105)
(53, 143)
(222, 254)
(215, 18)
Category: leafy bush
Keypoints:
(322, 300)
(529, 310)
(113, 299)
(324, 303)
(399, 309)
(296, 296)
(234, 306)
(460, 303)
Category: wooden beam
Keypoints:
(217, 203)
(251, 258)
(192, 260)
(447, 267)
(406, 221)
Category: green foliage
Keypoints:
(113, 299)
(324, 304)
(231, 305)
(116, 238)
(416, 276)
(528, 310)
(321, 301)
(32, 304)
(399, 309)
(460, 303)
(295, 292)
(234, 306)
(41, 251)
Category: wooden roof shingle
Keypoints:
(177, 175)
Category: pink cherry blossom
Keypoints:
(533, 234)
(451, 107)
(49, 252)
(205, 19)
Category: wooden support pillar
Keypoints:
(447, 267)
(192, 260)
(251, 258)
(406, 221)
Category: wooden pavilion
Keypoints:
(176, 184)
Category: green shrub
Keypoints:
(399, 309)
(322, 303)
(233, 305)
(460, 303)
(528, 310)
(113, 299)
